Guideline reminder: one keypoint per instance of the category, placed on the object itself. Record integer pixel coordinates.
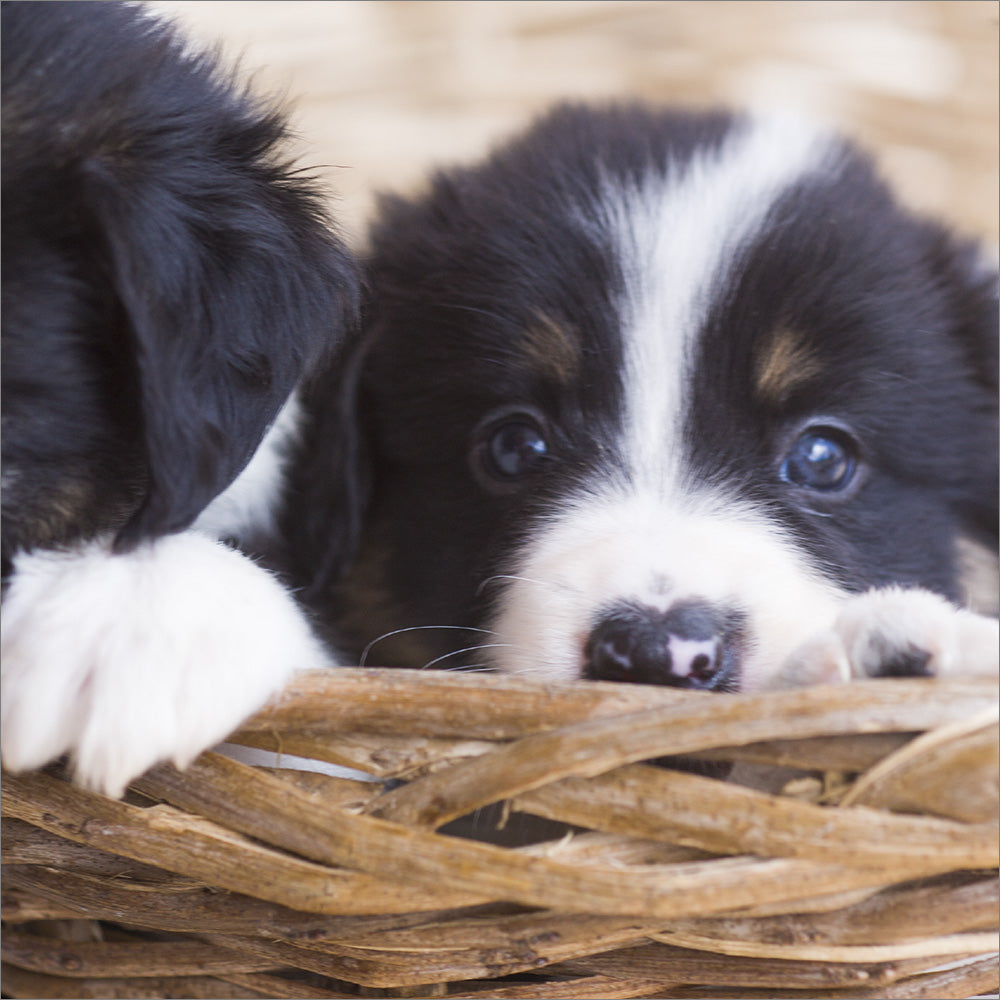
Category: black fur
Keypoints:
(168, 276)
(901, 317)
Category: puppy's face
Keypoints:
(648, 394)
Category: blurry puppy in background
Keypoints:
(168, 279)
(673, 398)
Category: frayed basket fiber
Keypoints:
(872, 873)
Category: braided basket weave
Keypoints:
(871, 874)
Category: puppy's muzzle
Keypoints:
(692, 644)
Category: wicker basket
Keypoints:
(871, 874)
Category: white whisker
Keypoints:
(417, 628)
(478, 312)
(522, 671)
(469, 649)
(507, 576)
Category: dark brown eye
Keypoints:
(822, 459)
(508, 449)
(515, 449)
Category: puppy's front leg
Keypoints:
(126, 660)
(897, 632)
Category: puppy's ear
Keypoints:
(231, 286)
(330, 478)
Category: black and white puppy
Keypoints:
(648, 397)
(675, 398)
(168, 278)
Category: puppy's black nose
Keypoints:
(693, 644)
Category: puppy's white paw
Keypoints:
(127, 660)
(897, 632)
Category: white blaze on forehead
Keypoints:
(678, 236)
(653, 537)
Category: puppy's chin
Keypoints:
(754, 596)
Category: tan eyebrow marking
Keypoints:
(550, 349)
(784, 363)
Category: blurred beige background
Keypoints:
(384, 90)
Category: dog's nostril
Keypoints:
(702, 664)
(615, 653)
(689, 645)
(693, 659)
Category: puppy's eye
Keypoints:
(515, 449)
(508, 448)
(822, 459)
